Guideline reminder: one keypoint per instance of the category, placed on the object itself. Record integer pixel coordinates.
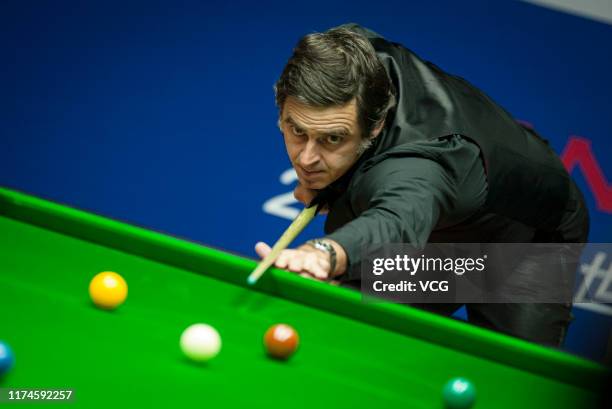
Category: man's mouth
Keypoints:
(310, 173)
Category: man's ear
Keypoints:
(378, 128)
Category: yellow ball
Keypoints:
(108, 290)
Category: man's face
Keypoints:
(322, 143)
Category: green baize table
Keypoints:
(352, 354)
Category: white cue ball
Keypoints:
(200, 342)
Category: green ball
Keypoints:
(459, 393)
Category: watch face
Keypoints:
(324, 246)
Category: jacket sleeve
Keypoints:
(402, 200)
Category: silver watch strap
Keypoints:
(323, 245)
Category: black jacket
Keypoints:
(450, 166)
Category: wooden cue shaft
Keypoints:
(298, 224)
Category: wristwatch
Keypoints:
(323, 245)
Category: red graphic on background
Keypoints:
(578, 152)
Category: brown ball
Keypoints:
(281, 341)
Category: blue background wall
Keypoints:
(162, 113)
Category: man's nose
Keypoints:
(310, 154)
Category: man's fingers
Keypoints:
(304, 195)
(297, 261)
(262, 249)
(296, 264)
(283, 259)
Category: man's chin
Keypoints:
(313, 184)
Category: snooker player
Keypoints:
(407, 153)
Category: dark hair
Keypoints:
(332, 68)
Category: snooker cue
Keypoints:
(296, 226)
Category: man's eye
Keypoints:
(297, 131)
(333, 139)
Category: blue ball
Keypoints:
(459, 393)
(7, 359)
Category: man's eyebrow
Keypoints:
(340, 131)
(290, 121)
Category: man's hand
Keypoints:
(305, 196)
(306, 260)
